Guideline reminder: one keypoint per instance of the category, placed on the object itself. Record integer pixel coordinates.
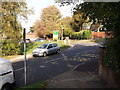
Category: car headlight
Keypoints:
(40, 51)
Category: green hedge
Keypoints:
(87, 34)
(84, 34)
(10, 47)
(28, 47)
(76, 35)
(112, 60)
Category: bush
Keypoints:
(28, 47)
(87, 34)
(10, 47)
(112, 54)
(84, 34)
(77, 35)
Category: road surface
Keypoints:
(42, 68)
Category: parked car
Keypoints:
(39, 39)
(20, 42)
(6, 75)
(28, 40)
(46, 49)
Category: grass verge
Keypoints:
(31, 46)
(64, 47)
(39, 86)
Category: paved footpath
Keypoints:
(83, 76)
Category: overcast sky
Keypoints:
(38, 5)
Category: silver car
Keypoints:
(46, 49)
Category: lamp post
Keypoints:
(62, 32)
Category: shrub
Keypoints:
(10, 47)
(28, 46)
(87, 34)
(84, 34)
(21, 50)
(76, 35)
(112, 54)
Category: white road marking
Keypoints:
(81, 64)
(78, 65)
(42, 66)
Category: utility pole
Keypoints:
(62, 30)
(62, 33)
(25, 62)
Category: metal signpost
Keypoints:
(25, 62)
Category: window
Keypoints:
(50, 46)
(43, 46)
(54, 45)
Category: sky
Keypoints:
(38, 5)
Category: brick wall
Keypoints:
(101, 34)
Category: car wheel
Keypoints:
(44, 54)
(33, 55)
(6, 87)
(58, 51)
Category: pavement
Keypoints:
(83, 76)
(21, 58)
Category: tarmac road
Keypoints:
(43, 68)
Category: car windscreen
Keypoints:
(43, 46)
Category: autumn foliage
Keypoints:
(48, 21)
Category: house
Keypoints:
(31, 36)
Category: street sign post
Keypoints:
(55, 35)
(25, 62)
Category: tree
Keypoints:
(66, 26)
(77, 21)
(39, 28)
(105, 13)
(49, 19)
(11, 27)
(32, 29)
(108, 14)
